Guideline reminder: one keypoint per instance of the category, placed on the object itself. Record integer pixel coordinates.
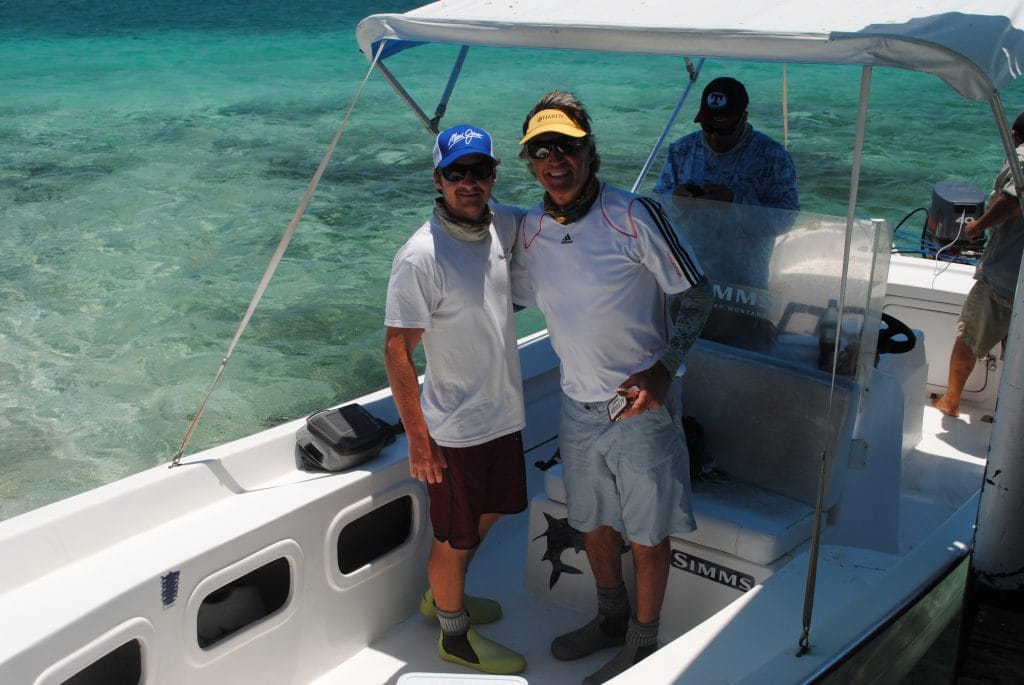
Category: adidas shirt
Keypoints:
(601, 283)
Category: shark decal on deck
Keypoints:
(561, 536)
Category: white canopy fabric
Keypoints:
(973, 45)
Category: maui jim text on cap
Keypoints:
(723, 100)
(551, 121)
(458, 141)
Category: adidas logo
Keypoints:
(567, 239)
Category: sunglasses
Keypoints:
(721, 130)
(481, 171)
(565, 147)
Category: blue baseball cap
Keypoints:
(458, 141)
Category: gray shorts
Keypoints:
(632, 475)
(984, 319)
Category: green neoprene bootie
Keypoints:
(476, 651)
(480, 609)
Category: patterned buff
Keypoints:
(463, 230)
(578, 207)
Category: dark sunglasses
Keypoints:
(481, 171)
(721, 130)
(565, 147)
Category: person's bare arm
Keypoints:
(425, 462)
(1003, 208)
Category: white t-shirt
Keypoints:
(458, 292)
(601, 283)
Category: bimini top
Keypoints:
(976, 46)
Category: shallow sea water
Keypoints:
(152, 154)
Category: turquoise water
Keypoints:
(152, 154)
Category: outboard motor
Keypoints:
(953, 205)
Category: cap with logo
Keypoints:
(551, 121)
(723, 100)
(1018, 123)
(458, 141)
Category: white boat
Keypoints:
(238, 566)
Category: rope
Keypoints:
(275, 259)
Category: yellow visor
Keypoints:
(551, 121)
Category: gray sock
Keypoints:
(643, 634)
(641, 642)
(612, 601)
(453, 622)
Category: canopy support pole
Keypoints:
(1011, 150)
(453, 78)
(812, 561)
(993, 595)
(404, 94)
(429, 123)
(694, 74)
(785, 108)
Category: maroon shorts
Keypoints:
(483, 479)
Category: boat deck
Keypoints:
(246, 507)
(527, 626)
(929, 495)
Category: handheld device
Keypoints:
(618, 404)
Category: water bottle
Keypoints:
(827, 335)
(849, 346)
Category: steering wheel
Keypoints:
(888, 334)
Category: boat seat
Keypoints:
(733, 517)
(763, 422)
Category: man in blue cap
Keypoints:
(449, 290)
(727, 160)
